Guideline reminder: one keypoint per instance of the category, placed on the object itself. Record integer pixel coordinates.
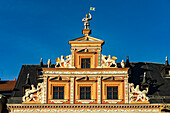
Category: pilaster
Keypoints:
(126, 90)
(44, 94)
(99, 58)
(73, 58)
(72, 91)
(99, 90)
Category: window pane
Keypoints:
(115, 95)
(88, 95)
(82, 65)
(83, 60)
(61, 95)
(109, 88)
(88, 60)
(88, 66)
(55, 95)
(109, 95)
(55, 89)
(61, 88)
(115, 88)
(82, 88)
(88, 88)
(82, 95)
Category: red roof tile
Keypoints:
(7, 85)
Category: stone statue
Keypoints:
(86, 21)
(123, 64)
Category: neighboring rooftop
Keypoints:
(7, 85)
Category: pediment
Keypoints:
(86, 51)
(59, 78)
(86, 39)
(86, 79)
(112, 78)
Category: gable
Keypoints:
(86, 39)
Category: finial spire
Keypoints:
(49, 63)
(41, 62)
(166, 61)
(28, 83)
(144, 84)
(127, 62)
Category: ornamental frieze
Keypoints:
(85, 72)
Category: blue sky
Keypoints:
(31, 29)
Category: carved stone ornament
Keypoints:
(113, 101)
(59, 101)
(86, 101)
(107, 61)
(64, 62)
(135, 95)
(33, 94)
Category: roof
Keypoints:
(7, 85)
(32, 70)
(159, 86)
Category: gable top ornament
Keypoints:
(86, 31)
(86, 21)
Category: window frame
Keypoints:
(85, 92)
(112, 91)
(58, 87)
(86, 63)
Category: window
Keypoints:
(85, 92)
(112, 92)
(167, 71)
(58, 92)
(85, 63)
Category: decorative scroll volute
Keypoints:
(137, 96)
(33, 94)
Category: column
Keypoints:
(99, 90)
(72, 91)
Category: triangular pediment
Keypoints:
(59, 78)
(86, 39)
(86, 50)
(86, 79)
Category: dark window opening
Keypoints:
(58, 92)
(112, 92)
(167, 71)
(85, 92)
(85, 63)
